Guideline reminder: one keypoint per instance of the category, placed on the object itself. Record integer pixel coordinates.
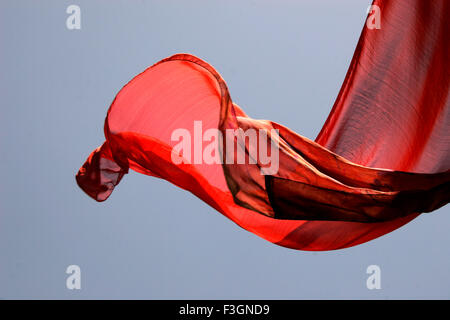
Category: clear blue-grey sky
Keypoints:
(283, 60)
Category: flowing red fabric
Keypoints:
(382, 157)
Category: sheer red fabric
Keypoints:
(382, 157)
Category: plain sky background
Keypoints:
(283, 60)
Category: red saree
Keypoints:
(382, 157)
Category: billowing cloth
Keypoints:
(382, 157)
